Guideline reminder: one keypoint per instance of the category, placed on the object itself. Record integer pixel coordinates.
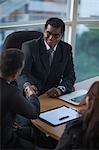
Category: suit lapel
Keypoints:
(44, 57)
(45, 60)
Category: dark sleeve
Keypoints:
(29, 108)
(72, 136)
(65, 140)
(26, 75)
(68, 78)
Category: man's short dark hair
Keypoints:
(56, 22)
(10, 61)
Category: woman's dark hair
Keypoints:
(56, 22)
(10, 61)
(91, 117)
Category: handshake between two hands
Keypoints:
(30, 89)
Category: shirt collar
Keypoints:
(48, 47)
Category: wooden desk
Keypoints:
(49, 103)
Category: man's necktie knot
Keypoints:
(50, 50)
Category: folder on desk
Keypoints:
(74, 97)
(59, 115)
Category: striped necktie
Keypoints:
(50, 55)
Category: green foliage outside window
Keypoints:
(87, 55)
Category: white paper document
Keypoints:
(74, 97)
(59, 115)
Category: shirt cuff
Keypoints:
(62, 88)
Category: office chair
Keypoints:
(15, 39)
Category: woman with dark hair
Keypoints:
(12, 102)
(84, 133)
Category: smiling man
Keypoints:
(48, 62)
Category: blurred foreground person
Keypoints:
(12, 102)
(84, 133)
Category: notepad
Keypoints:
(74, 97)
(59, 115)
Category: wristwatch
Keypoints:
(62, 88)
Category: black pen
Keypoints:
(65, 117)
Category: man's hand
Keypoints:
(34, 88)
(54, 92)
(30, 89)
(16, 125)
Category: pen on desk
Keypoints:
(65, 117)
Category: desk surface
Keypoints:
(49, 103)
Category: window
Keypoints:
(86, 52)
(82, 26)
(88, 8)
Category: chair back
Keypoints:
(15, 39)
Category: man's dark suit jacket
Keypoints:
(11, 103)
(37, 70)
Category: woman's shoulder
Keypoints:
(73, 130)
(71, 137)
(74, 124)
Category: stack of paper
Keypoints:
(59, 115)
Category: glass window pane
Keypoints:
(88, 8)
(86, 52)
(30, 10)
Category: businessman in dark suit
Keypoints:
(48, 62)
(12, 102)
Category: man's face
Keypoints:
(52, 35)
